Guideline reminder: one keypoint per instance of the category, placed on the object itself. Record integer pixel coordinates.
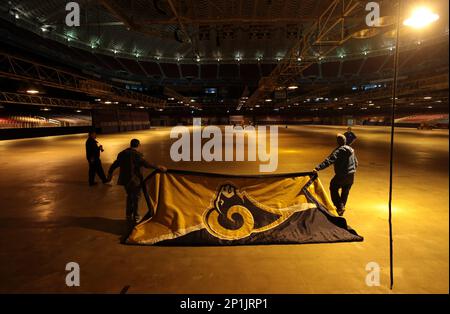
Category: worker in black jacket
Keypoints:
(131, 162)
(345, 163)
(350, 137)
(93, 157)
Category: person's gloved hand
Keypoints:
(162, 168)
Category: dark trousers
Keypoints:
(133, 195)
(95, 167)
(343, 183)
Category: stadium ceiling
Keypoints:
(196, 30)
(290, 35)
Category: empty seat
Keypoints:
(267, 68)
(249, 72)
(170, 70)
(209, 71)
(189, 70)
(351, 67)
(132, 66)
(312, 70)
(330, 69)
(151, 68)
(228, 71)
(372, 65)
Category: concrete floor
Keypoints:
(49, 217)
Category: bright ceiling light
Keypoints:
(292, 87)
(32, 91)
(421, 17)
(268, 100)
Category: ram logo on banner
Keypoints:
(191, 208)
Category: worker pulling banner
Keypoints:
(193, 208)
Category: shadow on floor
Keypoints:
(118, 227)
(113, 226)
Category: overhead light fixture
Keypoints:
(170, 98)
(78, 111)
(32, 91)
(292, 87)
(421, 17)
(108, 102)
(129, 105)
(98, 99)
(14, 12)
(268, 100)
(45, 109)
(427, 97)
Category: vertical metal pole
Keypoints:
(391, 162)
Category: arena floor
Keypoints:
(49, 217)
